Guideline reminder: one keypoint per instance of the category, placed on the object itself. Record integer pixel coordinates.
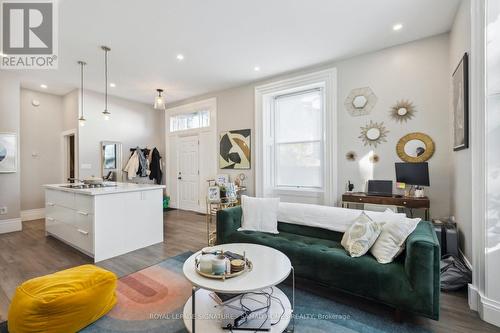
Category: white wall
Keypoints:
(10, 183)
(133, 124)
(70, 107)
(460, 43)
(41, 129)
(417, 71)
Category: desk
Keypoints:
(398, 201)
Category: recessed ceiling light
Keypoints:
(397, 27)
(256, 68)
(112, 85)
(43, 86)
(180, 57)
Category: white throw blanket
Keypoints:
(326, 217)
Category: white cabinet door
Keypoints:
(188, 172)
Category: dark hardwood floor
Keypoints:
(28, 253)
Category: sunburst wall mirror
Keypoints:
(373, 134)
(403, 111)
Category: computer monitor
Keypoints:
(413, 173)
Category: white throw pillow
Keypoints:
(361, 235)
(260, 214)
(392, 239)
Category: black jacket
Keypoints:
(155, 166)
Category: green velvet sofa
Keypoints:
(410, 283)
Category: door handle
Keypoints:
(82, 213)
(179, 177)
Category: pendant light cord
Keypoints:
(81, 85)
(82, 64)
(106, 80)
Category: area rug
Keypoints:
(152, 300)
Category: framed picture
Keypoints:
(231, 192)
(8, 152)
(460, 81)
(213, 194)
(234, 149)
(221, 179)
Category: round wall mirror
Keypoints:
(415, 147)
(402, 111)
(373, 134)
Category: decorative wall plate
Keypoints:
(374, 158)
(360, 101)
(351, 156)
(373, 134)
(403, 111)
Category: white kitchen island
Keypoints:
(105, 222)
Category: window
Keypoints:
(298, 139)
(186, 121)
(295, 138)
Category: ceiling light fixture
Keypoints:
(112, 85)
(256, 68)
(397, 27)
(82, 119)
(106, 114)
(43, 86)
(180, 57)
(159, 100)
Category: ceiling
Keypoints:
(222, 40)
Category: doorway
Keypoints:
(188, 172)
(69, 148)
(191, 153)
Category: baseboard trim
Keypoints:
(33, 214)
(466, 261)
(11, 225)
(488, 309)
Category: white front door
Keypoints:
(188, 174)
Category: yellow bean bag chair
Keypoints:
(64, 302)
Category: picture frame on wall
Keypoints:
(8, 152)
(235, 149)
(460, 83)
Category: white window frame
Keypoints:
(264, 95)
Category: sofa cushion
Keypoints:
(361, 235)
(65, 301)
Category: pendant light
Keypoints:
(159, 100)
(106, 114)
(82, 119)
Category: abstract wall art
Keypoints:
(8, 152)
(234, 149)
(460, 82)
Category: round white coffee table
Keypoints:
(270, 268)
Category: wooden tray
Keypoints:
(248, 268)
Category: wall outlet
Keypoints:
(3, 210)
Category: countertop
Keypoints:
(120, 188)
